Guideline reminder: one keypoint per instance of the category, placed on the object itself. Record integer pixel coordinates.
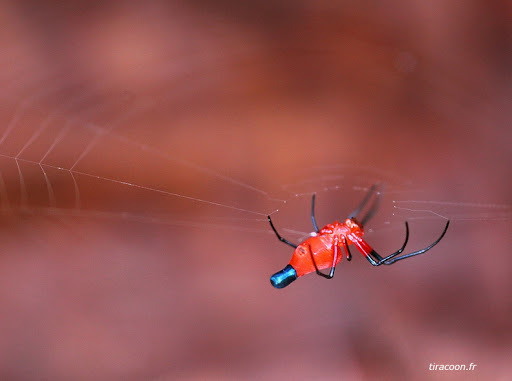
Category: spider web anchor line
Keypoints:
(100, 132)
(421, 210)
(460, 211)
(24, 196)
(451, 203)
(167, 193)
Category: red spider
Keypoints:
(324, 248)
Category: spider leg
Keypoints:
(390, 261)
(381, 260)
(333, 267)
(365, 201)
(349, 254)
(376, 260)
(373, 209)
(313, 219)
(279, 236)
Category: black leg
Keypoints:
(373, 208)
(377, 260)
(349, 254)
(389, 261)
(363, 203)
(278, 236)
(313, 219)
(333, 267)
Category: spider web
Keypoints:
(69, 147)
(57, 162)
(42, 174)
(178, 171)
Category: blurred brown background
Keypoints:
(227, 102)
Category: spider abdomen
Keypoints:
(320, 248)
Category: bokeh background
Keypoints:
(244, 104)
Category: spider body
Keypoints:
(321, 247)
(324, 249)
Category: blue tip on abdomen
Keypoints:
(284, 277)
